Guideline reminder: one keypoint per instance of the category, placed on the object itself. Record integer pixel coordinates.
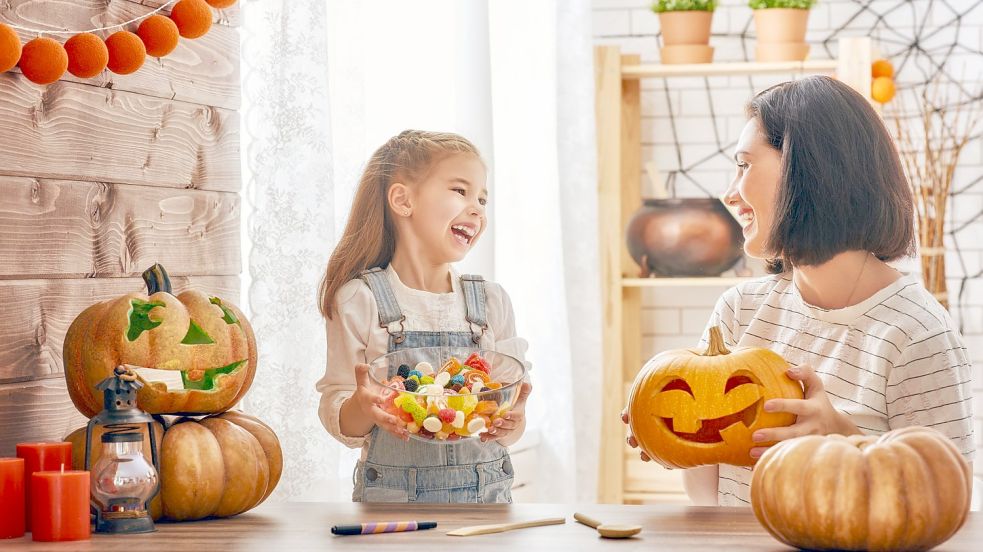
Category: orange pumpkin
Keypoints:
(688, 408)
(202, 348)
(908, 489)
(218, 466)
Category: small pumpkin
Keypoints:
(218, 466)
(908, 489)
(689, 408)
(206, 342)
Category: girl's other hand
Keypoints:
(370, 401)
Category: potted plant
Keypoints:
(685, 30)
(781, 29)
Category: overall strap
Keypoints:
(385, 300)
(474, 301)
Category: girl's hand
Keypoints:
(514, 420)
(370, 403)
(815, 415)
(631, 438)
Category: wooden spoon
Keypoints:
(609, 531)
(500, 527)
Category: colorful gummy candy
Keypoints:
(445, 405)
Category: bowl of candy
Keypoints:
(447, 393)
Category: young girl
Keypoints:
(420, 206)
(821, 193)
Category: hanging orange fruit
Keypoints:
(220, 4)
(193, 18)
(159, 34)
(882, 89)
(881, 68)
(87, 55)
(126, 52)
(43, 60)
(9, 48)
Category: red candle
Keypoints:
(60, 505)
(11, 498)
(42, 457)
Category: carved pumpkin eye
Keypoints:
(678, 384)
(734, 381)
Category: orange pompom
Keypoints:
(220, 4)
(126, 52)
(159, 34)
(882, 89)
(193, 18)
(87, 55)
(9, 48)
(43, 60)
(881, 68)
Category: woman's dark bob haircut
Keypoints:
(842, 187)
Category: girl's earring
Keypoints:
(406, 213)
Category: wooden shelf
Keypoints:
(682, 282)
(649, 70)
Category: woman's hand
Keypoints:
(631, 438)
(815, 415)
(369, 400)
(512, 423)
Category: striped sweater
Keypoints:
(891, 361)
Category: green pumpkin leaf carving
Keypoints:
(196, 336)
(139, 316)
(207, 382)
(230, 317)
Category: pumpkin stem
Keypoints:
(716, 345)
(157, 280)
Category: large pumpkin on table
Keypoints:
(218, 466)
(205, 341)
(908, 489)
(689, 408)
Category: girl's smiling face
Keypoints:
(445, 212)
(754, 189)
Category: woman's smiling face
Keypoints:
(754, 189)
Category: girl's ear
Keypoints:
(399, 199)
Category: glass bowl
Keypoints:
(447, 394)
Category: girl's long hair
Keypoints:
(369, 239)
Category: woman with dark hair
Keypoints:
(821, 195)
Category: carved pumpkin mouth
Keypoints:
(709, 431)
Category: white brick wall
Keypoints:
(674, 317)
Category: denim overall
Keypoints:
(414, 471)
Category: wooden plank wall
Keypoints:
(99, 179)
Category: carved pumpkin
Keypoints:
(219, 466)
(908, 489)
(688, 408)
(203, 345)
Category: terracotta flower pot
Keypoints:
(781, 34)
(684, 237)
(685, 36)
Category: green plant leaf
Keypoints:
(207, 382)
(662, 6)
(139, 317)
(230, 317)
(196, 336)
(788, 4)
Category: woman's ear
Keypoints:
(399, 199)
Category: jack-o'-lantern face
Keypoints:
(688, 408)
(195, 353)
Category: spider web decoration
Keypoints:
(921, 53)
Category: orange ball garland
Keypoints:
(159, 34)
(193, 18)
(220, 4)
(43, 60)
(126, 52)
(87, 55)
(10, 48)
(882, 89)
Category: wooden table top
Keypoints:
(292, 527)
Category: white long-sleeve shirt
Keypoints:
(355, 336)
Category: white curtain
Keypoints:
(325, 83)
